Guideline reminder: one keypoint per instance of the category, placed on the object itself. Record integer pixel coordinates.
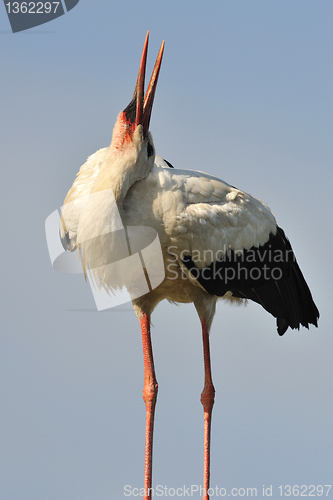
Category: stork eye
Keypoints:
(150, 149)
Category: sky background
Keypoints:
(245, 93)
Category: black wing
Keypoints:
(269, 275)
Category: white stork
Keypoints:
(217, 241)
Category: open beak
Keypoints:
(139, 110)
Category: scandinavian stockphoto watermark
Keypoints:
(230, 266)
(24, 15)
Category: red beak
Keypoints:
(139, 109)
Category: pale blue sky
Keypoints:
(245, 93)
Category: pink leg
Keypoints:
(207, 400)
(149, 396)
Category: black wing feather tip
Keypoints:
(282, 326)
(288, 298)
(168, 163)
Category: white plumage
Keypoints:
(186, 207)
(193, 209)
(193, 213)
(215, 239)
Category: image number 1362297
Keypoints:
(32, 7)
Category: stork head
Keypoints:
(132, 145)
